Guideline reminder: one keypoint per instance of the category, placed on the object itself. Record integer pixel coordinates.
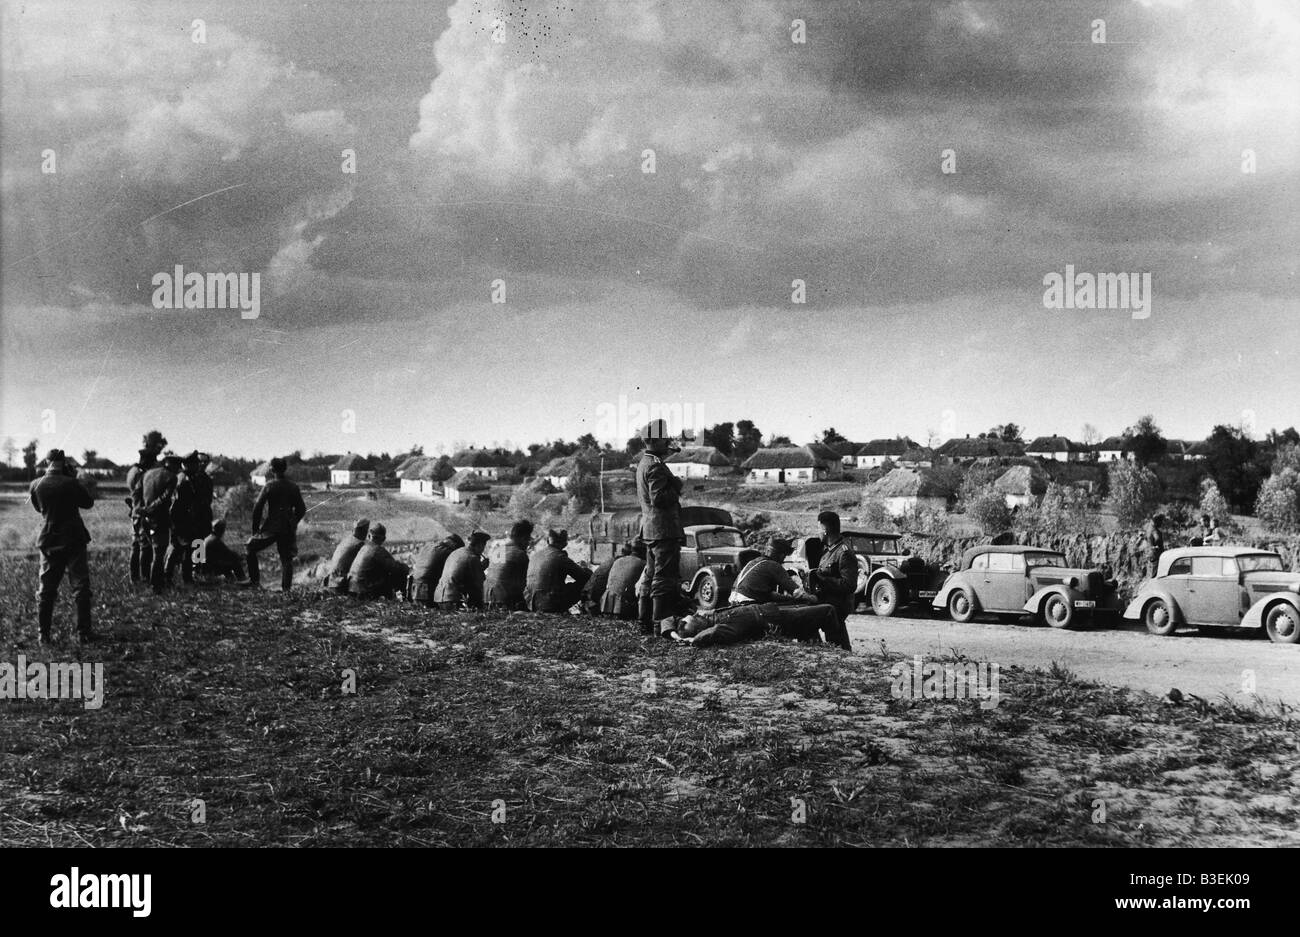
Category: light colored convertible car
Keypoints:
(1220, 587)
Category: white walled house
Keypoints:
(783, 465)
(904, 490)
(698, 462)
(873, 454)
(482, 462)
(462, 487)
(1053, 449)
(1114, 449)
(352, 469)
(1021, 486)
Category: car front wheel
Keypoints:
(1159, 619)
(1282, 622)
(884, 597)
(706, 593)
(1057, 611)
(960, 606)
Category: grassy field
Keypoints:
(571, 731)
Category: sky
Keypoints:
(920, 167)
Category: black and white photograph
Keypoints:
(650, 423)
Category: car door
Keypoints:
(1214, 592)
(690, 559)
(1175, 583)
(1003, 582)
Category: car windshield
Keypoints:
(874, 545)
(1268, 562)
(719, 538)
(1044, 559)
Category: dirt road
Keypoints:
(1208, 664)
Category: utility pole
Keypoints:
(600, 482)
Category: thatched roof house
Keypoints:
(488, 463)
(781, 465)
(1021, 485)
(968, 449)
(1054, 448)
(462, 486)
(352, 469)
(698, 462)
(874, 453)
(903, 490)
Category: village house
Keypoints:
(559, 471)
(920, 457)
(485, 463)
(1021, 485)
(1054, 449)
(783, 465)
(1114, 449)
(873, 454)
(828, 458)
(848, 452)
(907, 490)
(963, 451)
(698, 462)
(416, 476)
(463, 486)
(352, 469)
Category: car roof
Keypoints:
(1169, 556)
(707, 528)
(983, 548)
(875, 534)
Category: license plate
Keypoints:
(1085, 603)
(928, 593)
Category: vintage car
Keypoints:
(1012, 580)
(1220, 587)
(712, 556)
(889, 577)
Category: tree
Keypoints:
(1134, 492)
(1213, 503)
(748, 439)
(830, 437)
(10, 449)
(587, 441)
(1278, 505)
(583, 490)
(1148, 445)
(1007, 432)
(29, 459)
(721, 436)
(988, 508)
(154, 441)
(780, 441)
(1090, 435)
(1236, 463)
(88, 457)
(634, 445)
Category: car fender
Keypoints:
(1035, 603)
(953, 583)
(1255, 617)
(1137, 607)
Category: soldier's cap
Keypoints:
(191, 458)
(55, 455)
(657, 431)
(378, 531)
(171, 458)
(479, 536)
(779, 545)
(829, 517)
(360, 527)
(457, 540)
(279, 465)
(557, 538)
(219, 527)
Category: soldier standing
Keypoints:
(157, 491)
(190, 519)
(282, 503)
(141, 546)
(659, 492)
(59, 497)
(835, 580)
(1155, 540)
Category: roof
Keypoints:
(917, 454)
(973, 552)
(890, 447)
(781, 457)
(412, 468)
(699, 455)
(263, 468)
(352, 463)
(969, 448)
(565, 465)
(824, 453)
(466, 480)
(1201, 447)
(479, 458)
(908, 483)
(1114, 444)
(1021, 480)
(1052, 444)
(844, 447)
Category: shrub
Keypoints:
(988, 508)
(1063, 510)
(1134, 493)
(523, 502)
(1278, 505)
(873, 514)
(925, 521)
(1213, 503)
(236, 504)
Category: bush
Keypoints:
(873, 514)
(1134, 493)
(925, 521)
(523, 502)
(1063, 510)
(1278, 505)
(236, 504)
(1214, 504)
(987, 507)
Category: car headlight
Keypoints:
(1295, 587)
(1072, 581)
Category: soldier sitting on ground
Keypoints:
(620, 599)
(549, 572)
(766, 579)
(429, 565)
(756, 620)
(594, 591)
(461, 583)
(217, 558)
(505, 581)
(375, 574)
(337, 577)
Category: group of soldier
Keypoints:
(170, 498)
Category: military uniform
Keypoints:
(461, 581)
(835, 581)
(595, 588)
(185, 528)
(281, 500)
(620, 599)
(1155, 547)
(547, 589)
(157, 490)
(141, 545)
(345, 555)
(219, 559)
(758, 619)
(659, 492)
(375, 573)
(59, 498)
(428, 568)
(504, 584)
(763, 580)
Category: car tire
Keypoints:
(1057, 611)
(1159, 618)
(884, 598)
(960, 606)
(707, 592)
(1282, 624)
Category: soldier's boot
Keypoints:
(663, 608)
(187, 567)
(85, 631)
(286, 574)
(645, 614)
(146, 560)
(45, 619)
(135, 562)
(173, 560)
(254, 574)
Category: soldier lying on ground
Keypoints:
(620, 598)
(375, 574)
(429, 565)
(461, 583)
(756, 620)
(345, 554)
(505, 581)
(219, 559)
(549, 569)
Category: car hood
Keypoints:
(1269, 580)
(1051, 575)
